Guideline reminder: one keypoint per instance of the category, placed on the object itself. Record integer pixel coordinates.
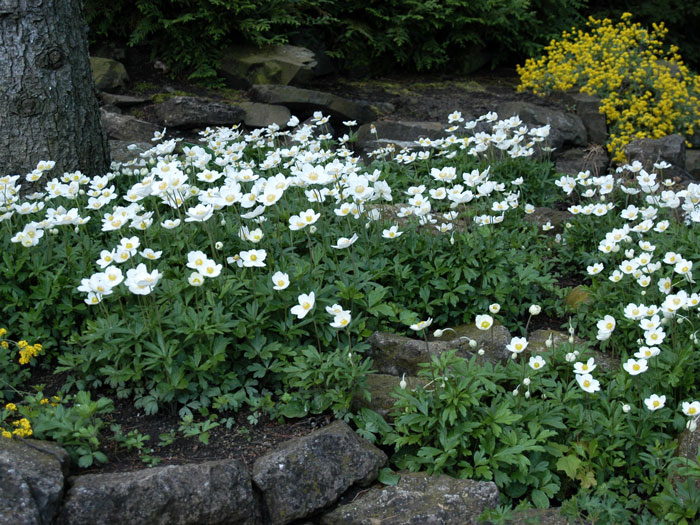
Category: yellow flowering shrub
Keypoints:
(12, 373)
(646, 89)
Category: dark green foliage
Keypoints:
(681, 17)
(410, 34)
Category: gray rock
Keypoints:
(39, 465)
(309, 473)
(397, 355)
(692, 163)
(536, 344)
(207, 493)
(588, 108)
(573, 161)
(566, 128)
(419, 499)
(120, 152)
(381, 388)
(126, 127)
(544, 215)
(17, 506)
(303, 102)
(648, 151)
(194, 112)
(108, 74)
(688, 445)
(122, 101)
(400, 131)
(262, 115)
(284, 64)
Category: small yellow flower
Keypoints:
(3, 331)
(44, 401)
(11, 407)
(6, 434)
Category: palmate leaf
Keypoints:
(569, 464)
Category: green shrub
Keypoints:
(406, 34)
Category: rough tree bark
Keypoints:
(48, 101)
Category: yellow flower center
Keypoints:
(656, 404)
(692, 410)
(253, 257)
(280, 282)
(306, 305)
(635, 367)
(586, 383)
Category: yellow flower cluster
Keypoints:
(646, 89)
(23, 427)
(27, 351)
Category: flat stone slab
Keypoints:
(306, 101)
(419, 499)
(196, 494)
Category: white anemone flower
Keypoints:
(306, 304)
(344, 242)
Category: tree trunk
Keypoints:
(48, 101)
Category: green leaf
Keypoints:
(540, 499)
(388, 477)
(569, 464)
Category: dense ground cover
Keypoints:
(247, 271)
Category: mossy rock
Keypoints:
(578, 296)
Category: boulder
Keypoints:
(309, 473)
(31, 480)
(537, 345)
(120, 152)
(397, 355)
(262, 115)
(284, 64)
(573, 161)
(194, 112)
(122, 101)
(419, 499)
(670, 148)
(577, 296)
(567, 129)
(381, 388)
(688, 447)
(108, 74)
(588, 108)
(400, 131)
(206, 493)
(304, 102)
(692, 163)
(126, 127)
(17, 507)
(544, 215)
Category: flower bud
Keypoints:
(692, 425)
(571, 339)
(515, 392)
(223, 222)
(535, 309)
(472, 343)
(438, 333)
(526, 381)
(312, 229)
(402, 383)
(481, 351)
(548, 343)
(626, 408)
(219, 245)
(527, 395)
